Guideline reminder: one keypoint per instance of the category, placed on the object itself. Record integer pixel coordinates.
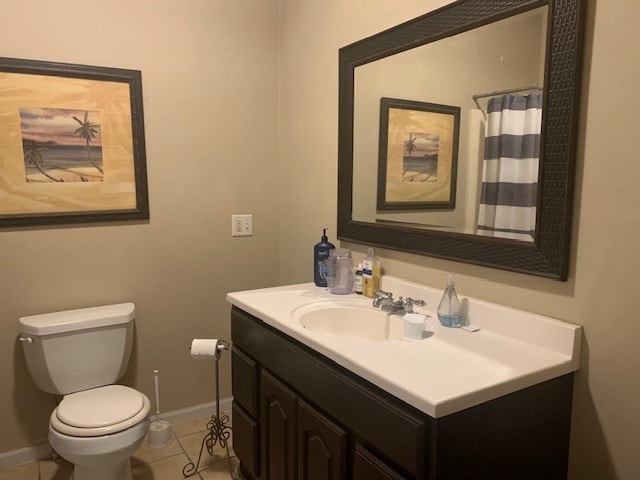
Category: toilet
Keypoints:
(80, 354)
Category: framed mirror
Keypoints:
(466, 57)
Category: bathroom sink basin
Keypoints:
(349, 319)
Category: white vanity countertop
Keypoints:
(447, 372)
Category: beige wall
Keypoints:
(602, 290)
(209, 77)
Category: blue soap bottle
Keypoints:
(320, 256)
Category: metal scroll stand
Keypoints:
(219, 430)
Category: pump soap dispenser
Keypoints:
(320, 256)
(450, 308)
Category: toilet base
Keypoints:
(100, 458)
(118, 471)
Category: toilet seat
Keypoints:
(100, 411)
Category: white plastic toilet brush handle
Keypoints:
(156, 374)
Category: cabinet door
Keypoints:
(245, 439)
(367, 466)
(244, 372)
(277, 422)
(321, 446)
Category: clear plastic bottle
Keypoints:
(450, 308)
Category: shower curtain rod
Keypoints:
(503, 92)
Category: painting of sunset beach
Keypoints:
(420, 162)
(72, 144)
(61, 145)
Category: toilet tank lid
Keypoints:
(70, 320)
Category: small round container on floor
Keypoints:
(159, 434)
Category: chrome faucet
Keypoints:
(384, 301)
(382, 297)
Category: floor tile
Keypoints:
(219, 470)
(146, 454)
(192, 445)
(26, 471)
(59, 469)
(165, 469)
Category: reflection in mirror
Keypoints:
(459, 57)
(489, 73)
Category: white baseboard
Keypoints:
(43, 450)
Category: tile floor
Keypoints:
(147, 463)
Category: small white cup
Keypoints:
(413, 325)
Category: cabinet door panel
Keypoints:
(244, 371)
(321, 446)
(245, 439)
(367, 466)
(277, 418)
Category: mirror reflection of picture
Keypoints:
(410, 75)
(418, 155)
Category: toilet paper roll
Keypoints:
(202, 348)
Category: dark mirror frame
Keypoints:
(548, 255)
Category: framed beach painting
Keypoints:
(72, 144)
(418, 155)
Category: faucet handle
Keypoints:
(410, 302)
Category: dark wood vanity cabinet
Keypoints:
(297, 415)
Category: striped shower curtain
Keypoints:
(510, 167)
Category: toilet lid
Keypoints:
(100, 406)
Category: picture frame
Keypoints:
(72, 144)
(418, 155)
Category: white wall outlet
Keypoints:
(241, 225)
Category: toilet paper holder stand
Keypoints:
(219, 430)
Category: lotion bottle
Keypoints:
(450, 308)
(358, 279)
(320, 257)
(370, 274)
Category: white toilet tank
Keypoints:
(76, 350)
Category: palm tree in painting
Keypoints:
(34, 154)
(410, 145)
(87, 131)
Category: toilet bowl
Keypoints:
(100, 458)
(99, 429)
(79, 354)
